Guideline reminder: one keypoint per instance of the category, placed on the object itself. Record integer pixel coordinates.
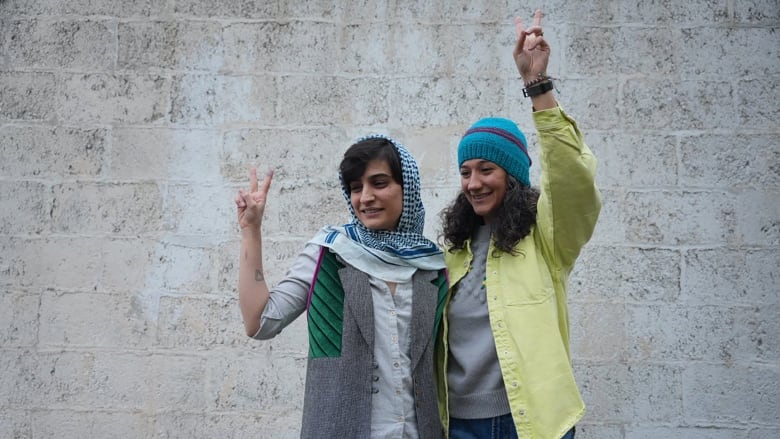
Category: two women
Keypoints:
(374, 288)
(374, 291)
(505, 367)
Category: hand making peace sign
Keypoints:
(250, 204)
(532, 53)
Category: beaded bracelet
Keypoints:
(541, 77)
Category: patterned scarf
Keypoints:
(393, 255)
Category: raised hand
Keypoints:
(250, 205)
(532, 53)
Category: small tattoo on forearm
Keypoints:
(259, 276)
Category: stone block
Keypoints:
(331, 100)
(418, 52)
(27, 96)
(114, 8)
(680, 13)
(180, 45)
(758, 217)
(71, 424)
(180, 267)
(626, 274)
(88, 320)
(704, 44)
(597, 331)
(306, 159)
(188, 322)
(25, 207)
(610, 51)
(52, 152)
(724, 276)
(19, 314)
(632, 393)
(179, 381)
(234, 9)
(256, 382)
(67, 380)
(165, 154)
(472, 50)
(292, 212)
(585, 430)
(250, 48)
(51, 263)
(712, 161)
(679, 218)
(684, 432)
(126, 265)
(647, 104)
(15, 424)
(274, 424)
(200, 99)
(213, 214)
(618, 155)
(444, 101)
(435, 150)
(727, 394)
(702, 333)
(260, 47)
(58, 44)
(120, 209)
(754, 111)
(366, 48)
(103, 98)
(757, 12)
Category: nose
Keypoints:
(366, 195)
(473, 183)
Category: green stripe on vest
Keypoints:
(326, 311)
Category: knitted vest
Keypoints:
(339, 376)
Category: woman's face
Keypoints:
(484, 184)
(377, 199)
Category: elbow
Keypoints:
(251, 329)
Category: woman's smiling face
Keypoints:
(376, 197)
(484, 183)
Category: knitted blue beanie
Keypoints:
(499, 141)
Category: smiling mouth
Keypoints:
(480, 197)
(371, 211)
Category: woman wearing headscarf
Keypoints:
(374, 291)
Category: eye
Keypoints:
(465, 173)
(355, 188)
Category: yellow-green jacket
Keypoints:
(526, 293)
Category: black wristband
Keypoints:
(537, 89)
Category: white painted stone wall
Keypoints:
(126, 128)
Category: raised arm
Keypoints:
(532, 55)
(252, 289)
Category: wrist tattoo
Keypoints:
(259, 276)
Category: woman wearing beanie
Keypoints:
(510, 249)
(373, 290)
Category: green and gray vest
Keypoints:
(339, 376)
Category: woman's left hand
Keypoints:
(532, 53)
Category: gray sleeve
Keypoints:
(289, 297)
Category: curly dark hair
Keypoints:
(510, 223)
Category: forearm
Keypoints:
(252, 288)
(544, 101)
(570, 201)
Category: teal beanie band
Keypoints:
(499, 141)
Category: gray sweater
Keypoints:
(476, 388)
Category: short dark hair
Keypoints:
(357, 156)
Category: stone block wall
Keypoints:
(126, 128)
